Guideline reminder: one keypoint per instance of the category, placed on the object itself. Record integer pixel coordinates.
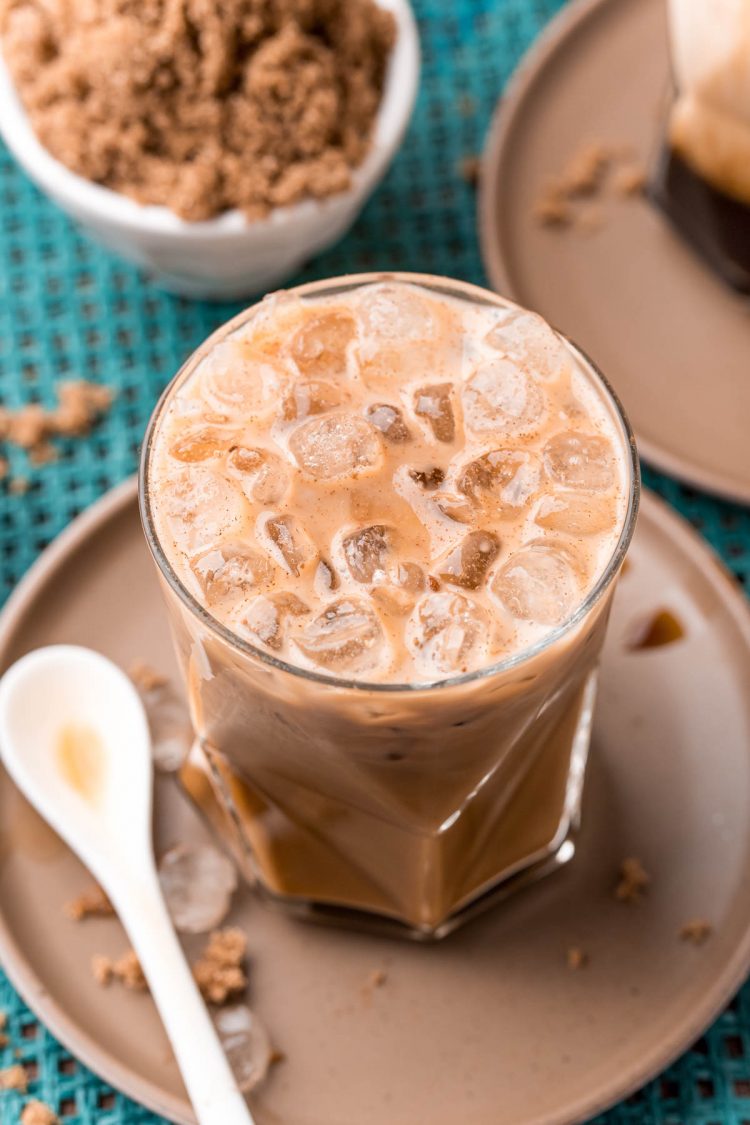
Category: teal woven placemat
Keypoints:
(68, 308)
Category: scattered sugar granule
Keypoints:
(696, 931)
(91, 903)
(633, 881)
(14, 1078)
(220, 972)
(37, 1113)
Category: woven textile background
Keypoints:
(69, 308)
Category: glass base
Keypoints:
(222, 799)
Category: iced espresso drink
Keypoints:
(703, 181)
(388, 514)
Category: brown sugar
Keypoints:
(576, 958)
(91, 903)
(14, 1078)
(79, 405)
(146, 678)
(37, 1113)
(633, 881)
(629, 179)
(471, 167)
(199, 106)
(220, 972)
(126, 969)
(696, 931)
(594, 171)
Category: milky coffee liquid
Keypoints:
(389, 484)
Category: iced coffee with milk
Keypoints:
(703, 181)
(388, 514)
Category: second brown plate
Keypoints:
(671, 337)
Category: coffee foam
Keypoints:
(389, 485)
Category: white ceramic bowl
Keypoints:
(229, 256)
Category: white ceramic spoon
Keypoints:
(74, 738)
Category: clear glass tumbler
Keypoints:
(404, 806)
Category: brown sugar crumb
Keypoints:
(220, 972)
(146, 678)
(126, 969)
(471, 167)
(198, 106)
(633, 881)
(102, 969)
(376, 979)
(37, 1113)
(594, 171)
(4, 467)
(552, 209)
(18, 486)
(576, 958)
(277, 1057)
(696, 931)
(629, 179)
(91, 903)
(79, 405)
(14, 1078)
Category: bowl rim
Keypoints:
(116, 209)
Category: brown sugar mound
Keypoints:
(37, 1113)
(220, 972)
(91, 903)
(202, 106)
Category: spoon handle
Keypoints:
(205, 1070)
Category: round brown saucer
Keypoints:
(672, 338)
(491, 1027)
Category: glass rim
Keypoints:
(344, 283)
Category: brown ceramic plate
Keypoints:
(490, 1027)
(671, 337)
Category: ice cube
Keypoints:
(240, 381)
(573, 514)
(433, 403)
(228, 571)
(202, 506)
(168, 721)
(410, 576)
(468, 563)
(527, 337)
(200, 444)
(290, 543)
(197, 882)
(326, 578)
(319, 347)
(403, 334)
(509, 476)
(262, 475)
(366, 552)
(538, 584)
(265, 618)
(447, 633)
(390, 421)
(457, 508)
(342, 445)
(394, 313)
(429, 478)
(578, 460)
(501, 397)
(346, 637)
(246, 1044)
(309, 397)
